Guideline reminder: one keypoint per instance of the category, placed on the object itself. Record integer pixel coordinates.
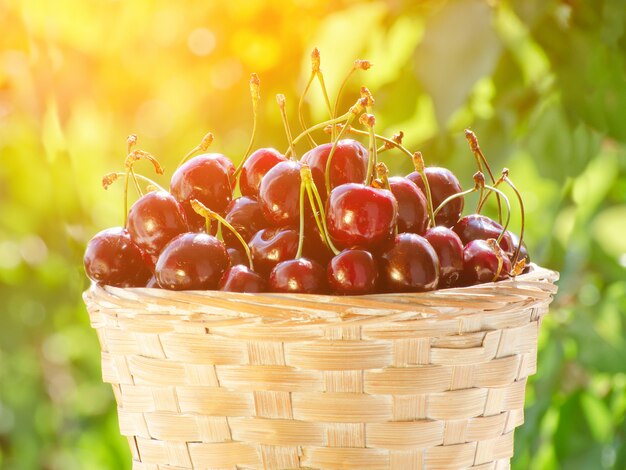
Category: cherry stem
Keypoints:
(282, 102)
(508, 208)
(479, 184)
(314, 196)
(495, 247)
(332, 152)
(208, 214)
(110, 178)
(130, 161)
(480, 161)
(505, 177)
(418, 163)
(320, 78)
(322, 125)
(383, 176)
(369, 121)
(255, 95)
(397, 138)
(301, 104)
(204, 144)
(303, 185)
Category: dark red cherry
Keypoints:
(348, 165)
(154, 219)
(192, 261)
(240, 278)
(113, 259)
(359, 215)
(300, 275)
(480, 227)
(205, 178)
(443, 183)
(255, 167)
(353, 272)
(270, 246)
(412, 207)
(279, 194)
(227, 164)
(411, 265)
(236, 256)
(449, 249)
(480, 263)
(246, 216)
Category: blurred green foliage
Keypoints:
(542, 83)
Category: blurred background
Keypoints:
(541, 82)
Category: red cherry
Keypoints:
(236, 256)
(255, 168)
(359, 215)
(449, 249)
(348, 165)
(480, 227)
(353, 272)
(411, 265)
(480, 263)
(192, 261)
(279, 194)
(246, 216)
(154, 219)
(443, 183)
(113, 259)
(205, 178)
(240, 278)
(271, 246)
(300, 275)
(314, 246)
(412, 206)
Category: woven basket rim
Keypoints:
(297, 309)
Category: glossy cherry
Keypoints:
(113, 259)
(300, 275)
(240, 278)
(256, 167)
(205, 178)
(271, 246)
(348, 164)
(359, 215)
(480, 227)
(236, 256)
(154, 219)
(412, 206)
(449, 249)
(353, 272)
(480, 263)
(246, 216)
(523, 252)
(410, 265)
(279, 194)
(443, 183)
(192, 261)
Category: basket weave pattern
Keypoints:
(213, 380)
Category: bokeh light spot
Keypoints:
(201, 41)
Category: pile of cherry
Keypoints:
(330, 222)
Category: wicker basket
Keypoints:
(213, 380)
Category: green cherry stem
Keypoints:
(315, 65)
(418, 163)
(369, 121)
(505, 176)
(357, 65)
(508, 208)
(303, 185)
(110, 178)
(204, 144)
(255, 97)
(314, 195)
(480, 161)
(282, 104)
(208, 214)
(479, 184)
